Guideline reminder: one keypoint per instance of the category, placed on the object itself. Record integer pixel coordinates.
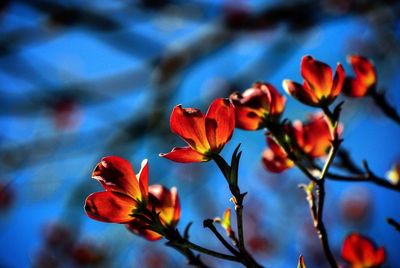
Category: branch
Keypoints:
(382, 102)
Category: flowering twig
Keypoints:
(230, 173)
(179, 242)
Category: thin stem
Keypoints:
(394, 223)
(198, 248)
(239, 219)
(363, 178)
(209, 224)
(384, 105)
(192, 258)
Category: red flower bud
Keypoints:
(365, 77)
(257, 105)
(319, 87)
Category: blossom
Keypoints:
(257, 105)
(124, 192)
(314, 136)
(360, 252)
(166, 203)
(205, 134)
(275, 158)
(319, 87)
(365, 77)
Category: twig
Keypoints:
(209, 224)
(394, 223)
(384, 105)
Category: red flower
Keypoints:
(319, 88)
(365, 77)
(205, 135)
(257, 105)
(275, 158)
(314, 137)
(360, 252)
(166, 202)
(124, 191)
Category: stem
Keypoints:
(192, 258)
(383, 104)
(394, 223)
(364, 178)
(198, 248)
(209, 224)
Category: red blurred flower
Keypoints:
(314, 137)
(365, 77)
(257, 105)
(205, 134)
(319, 87)
(124, 192)
(7, 196)
(166, 203)
(360, 252)
(275, 158)
(87, 254)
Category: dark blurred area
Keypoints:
(82, 80)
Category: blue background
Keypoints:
(82, 81)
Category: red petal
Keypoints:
(166, 202)
(359, 251)
(317, 75)
(110, 207)
(116, 174)
(314, 137)
(277, 101)
(143, 178)
(338, 81)
(364, 70)
(275, 158)
(185, 155)
(220, 122)
(247, 119)
(189, 123)
(354, 88)
(138, 227)
(303, 94)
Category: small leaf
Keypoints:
(301, 263)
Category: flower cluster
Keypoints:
(127, 196)
(154, 211)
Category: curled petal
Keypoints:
(303, 94)
(143, 178)
(189, 124)
(166, 202)
(277, 101)
(338, 81)
(364, 70)
(220, 123)
(353, 88)
(116, 174)
(185, 155)
(110, 207)
(140, 228)
(317, 75)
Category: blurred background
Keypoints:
(80, 80)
